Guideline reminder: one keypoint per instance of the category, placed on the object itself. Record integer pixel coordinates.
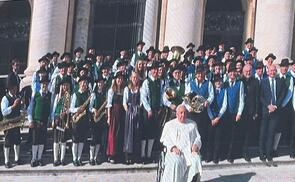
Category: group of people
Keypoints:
(122, 105)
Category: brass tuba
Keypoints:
(177, 52)
(196, 102)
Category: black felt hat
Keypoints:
(55, 54)
(285, 62)
(232, 67)
(140, 43)
(66, 79)
(259, 65)
(84, 77)
(44, 80)
(249, 40)
(44, 58)
(151, 48)
(198, 58)
(66, 54)
(78, 49)
(270, 55)
(200, 69)
(62, 65)
(166, 49)
(190, 45)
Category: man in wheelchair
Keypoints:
(182, 140)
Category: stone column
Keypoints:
(82, 23)
(150, 23)
(49, 32)
(274, 27)
(249, 22)
(184, 22)
(162, 28)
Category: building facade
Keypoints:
(31, 28)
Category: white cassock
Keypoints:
(181, 168)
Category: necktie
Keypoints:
(177, 83)
(273, 98)
(231, 83)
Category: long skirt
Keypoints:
(132, 129)
(116, 130)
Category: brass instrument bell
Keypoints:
(177, 52)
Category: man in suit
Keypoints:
(272, 93)
(251, 93)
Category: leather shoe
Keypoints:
(63, 163)
(18, 162)
(92, 162)
(272, 163)
(56, 163)
(34, 164)
(230, 161)
(7, 165)
(80, 163)
(75, 163)
(40, 163)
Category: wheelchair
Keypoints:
(161, 167)
(161, 164)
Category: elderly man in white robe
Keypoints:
(183, 142)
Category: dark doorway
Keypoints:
(224, 21)
(117, 24)
(15, 17)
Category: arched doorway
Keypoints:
(15, 17)
(224, 21)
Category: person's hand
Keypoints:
(150, 114)
(16, 103)
(206, 103)
(238, 117)
(173, 107)
(176, 150)
(195, 148)
(271, 108)
(215, 121)
(31, 125)
(190, 109)
(160, 111)
(80, 110)
(96, 113)
(109, 120)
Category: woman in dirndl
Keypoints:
(132, 104)
(116, 116)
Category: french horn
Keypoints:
(196, 102)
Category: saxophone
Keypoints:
(77, 116)
(102, 112)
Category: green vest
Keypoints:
(81, 98)
(41, 110)
(155, 93)
(100, 99)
